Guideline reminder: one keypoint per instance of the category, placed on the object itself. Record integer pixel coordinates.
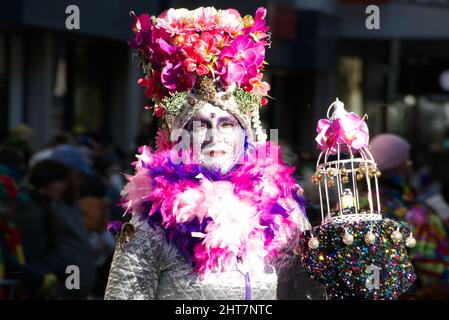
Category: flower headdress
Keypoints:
(203, 56)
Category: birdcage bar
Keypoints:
(319, 190)
(321, 202)
(368, 155)
(326, 186)
(338, 178)
(354, 182)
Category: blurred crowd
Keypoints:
(55, 205)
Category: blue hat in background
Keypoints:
(71, 157)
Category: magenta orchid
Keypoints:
(347, 129)
(241, 60)
(257, 28)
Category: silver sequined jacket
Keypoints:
(147, 267)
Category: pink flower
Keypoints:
(201, 55)
(142, 28)
(142, 23)
(205, 18)
(326, 137)
(158, 110)
(355, 131)
(258, 86)
(152, 86)
(243, 56)
(230, 21)
(176, 78)
(258, 30)
(175, 21)
(347, 129)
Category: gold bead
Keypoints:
(359, 177)
(330, 183)
(345, 179)
(319, 176)
(344, 172)
(330, 172)
(315, 180)
(377, 174)
(362, 169)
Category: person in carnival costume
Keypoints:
(214, 211)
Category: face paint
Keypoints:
(217, 138)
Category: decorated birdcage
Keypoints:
(347, 168)
(353, 238)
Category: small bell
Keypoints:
(348, 238)
(370, 237)
(377, 174)
(396, 236)
(410, 242)
(313, 243)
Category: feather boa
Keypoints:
(217, 220)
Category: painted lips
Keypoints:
(217, 153)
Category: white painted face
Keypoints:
(217, 137)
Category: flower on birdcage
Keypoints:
(347, 130)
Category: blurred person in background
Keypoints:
(110, 169)
(95, 208)
(18, 279)
(440, 202)
(73, 242)
(430, 256)
(21, 138)
(45, 153)
(12, 158)
(47, 183)
(88, 144)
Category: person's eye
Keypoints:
(227, 125)
(200, 125)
